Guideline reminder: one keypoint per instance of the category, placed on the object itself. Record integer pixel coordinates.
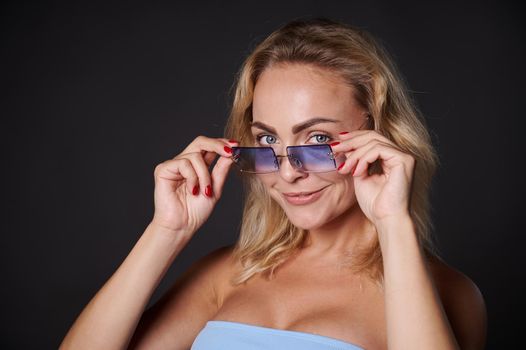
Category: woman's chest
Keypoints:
(345, 308)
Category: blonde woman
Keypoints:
(335, 250)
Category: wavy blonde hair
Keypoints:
(267, 237)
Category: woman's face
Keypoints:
(291, 95)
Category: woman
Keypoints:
(335, 249)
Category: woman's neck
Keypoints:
(342, 237)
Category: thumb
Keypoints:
(219, 174)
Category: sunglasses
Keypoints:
(304, 158)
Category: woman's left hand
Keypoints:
(380, 196)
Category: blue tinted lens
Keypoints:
(255, 159)
(312, 158)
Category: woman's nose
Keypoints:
(288, 171)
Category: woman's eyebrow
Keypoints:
(296, 128)
(307, 124)
(264, 127)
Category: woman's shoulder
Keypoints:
(220, 265)
(453, 284)
(463, 303)
(219, 262)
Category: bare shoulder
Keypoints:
(224, 267)
(220, 261)
(463, 303)
(217, 261)
(216, 267)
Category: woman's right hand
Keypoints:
(185, 190)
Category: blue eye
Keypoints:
(321, 138)
(268, 138)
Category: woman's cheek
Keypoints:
(265, 180)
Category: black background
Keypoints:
(95, 95)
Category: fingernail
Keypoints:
(227, 149)
(208, 191)
(344, 132)
(233, 141)
(335, 143)
(195, 191)
(341, 165)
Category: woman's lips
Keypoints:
(302, 198)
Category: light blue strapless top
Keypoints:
(241, 336)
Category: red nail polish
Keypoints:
(334, 144)
(208, 191)
(341, 165)
(195, 191)
(227, 149)
(233, 141)
(344, 132)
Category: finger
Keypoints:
(211, 156)
(351, 134)
(230, 141)
(176, 170)
(389, 156)
(203, 144)
(359, 139)
(203, 174)
(354, 155)
(220, 171)
(219, 174)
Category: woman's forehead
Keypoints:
(293, 94)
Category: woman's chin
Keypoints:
(306, 222)
(311, 220)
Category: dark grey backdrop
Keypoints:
(95, 95)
